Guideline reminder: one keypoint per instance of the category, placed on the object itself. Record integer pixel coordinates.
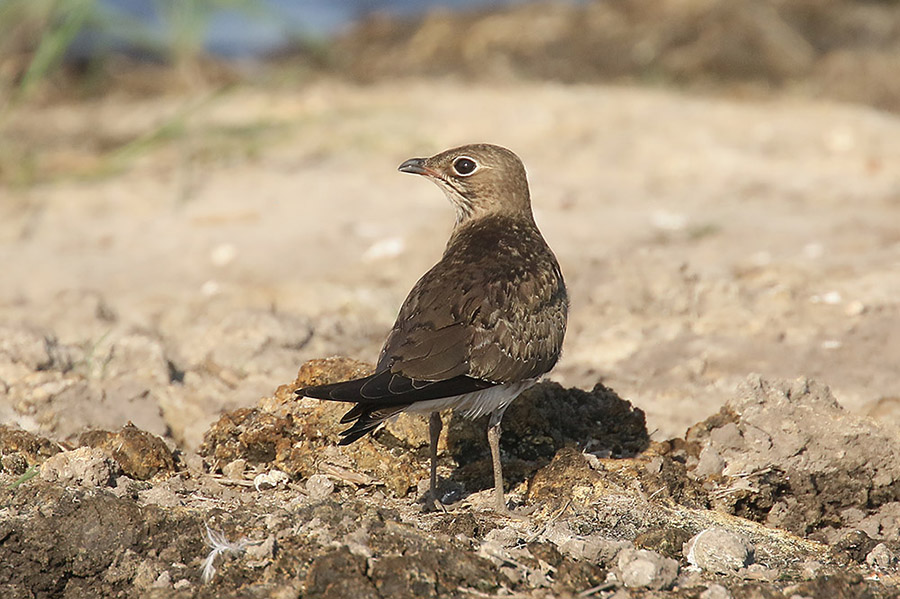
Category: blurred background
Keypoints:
(58, 50)
(198, 195)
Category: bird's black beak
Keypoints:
(416, 166)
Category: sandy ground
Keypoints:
(701, 239)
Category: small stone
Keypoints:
(146, 575)
(194, 464)
(261, 552)
(718, 550)
(710, 463)
(13, 463)
(855, 308)
(881, 558)
(715, 591)
(140, 455)
(125, 487)
(270, 479)
(643, 568)
(160, 495)
(83, 466)
(810, 570)
(223, 254)
(319, 487)
(235, 469)
(163, 581)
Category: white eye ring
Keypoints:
(464, 166)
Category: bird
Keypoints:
(482, 325)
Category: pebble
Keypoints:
(506, 536)
(319, 487)
(810, 569)
(644, 568)
(718, 550)
(270, 479)
(163, 581)
(84, 466)
(261, 552)
(881, 558)
(235, 469)
(715, 591)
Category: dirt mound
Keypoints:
(299, 437)
(788, 455)
(780, 493)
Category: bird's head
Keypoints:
(479, 179)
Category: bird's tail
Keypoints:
(368, 413)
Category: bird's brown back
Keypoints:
(494, 307)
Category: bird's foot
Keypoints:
(520, 513)
(440, 501)
(432, 504)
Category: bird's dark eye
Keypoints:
(464, 166)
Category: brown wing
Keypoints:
(522, 340)
(493, 308)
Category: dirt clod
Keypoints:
(140, 455)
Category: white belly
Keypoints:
(477, 403)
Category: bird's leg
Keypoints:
(493, 435)
(434, 429)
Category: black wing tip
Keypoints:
(340, 391)
(364, 425)
(352, 435)
(307, 392)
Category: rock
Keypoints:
(593, 548)
(811, 569)
(758, 572)
(139, 454)
(17, 446)
(542, 421)
(250, 434)
(270, 480)
(715, 591)
(319, 487)
(854, 546)
(643, 568)
(323, 371)
(666, 540)
(13, 463)
(881, 558)
(235, 469)
(83, 466)
(163, 581)
(794, 459)
(259, 553)
(718, 550)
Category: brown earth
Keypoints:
(171, 259)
